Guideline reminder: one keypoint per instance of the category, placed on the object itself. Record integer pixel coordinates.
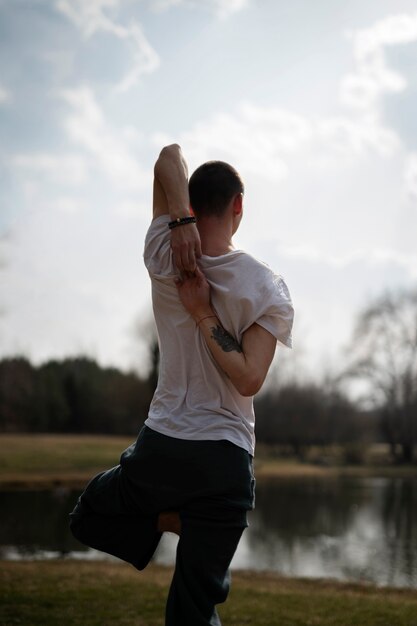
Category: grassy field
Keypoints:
(72, 593)
(31, 460)
(48, 460)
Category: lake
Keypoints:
(356, 529)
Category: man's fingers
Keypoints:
(180, 258)
(186, 247)
(191, 261)
(184, 259)
(176, 257)
(198, 251)
(188, 259)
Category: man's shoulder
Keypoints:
(244, 275)
(250, 265)
(238, 257)
(157, 250)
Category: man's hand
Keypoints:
(186, 247)
(194, 293)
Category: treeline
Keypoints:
(74, 395)
(297, 417)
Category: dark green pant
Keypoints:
(210, 484)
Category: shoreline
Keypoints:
(264, 471)
(49, 461)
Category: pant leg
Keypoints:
(106, 518)
(202, 578)
(118, 511)
(212, 523)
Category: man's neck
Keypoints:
(215, 236)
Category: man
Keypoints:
(219, 313)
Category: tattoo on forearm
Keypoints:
(225, 339)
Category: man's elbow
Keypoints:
(168, 153)
(168, 156)
(249, 385)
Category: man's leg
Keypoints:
(212, 522)
(104, 520)
(201, 578)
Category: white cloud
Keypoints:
(68, 169)
(258, 138)
(410, 176)
(88, 128)
(91, 17)
(5, 95)
(288, 131)
(128, 209)
(40, 198)
(69, 204)
(366, 257)
(224, 8)
(346, 136)
(145, 59)
(221, 8)
(242, 136)
(265, 141)
(372, 77)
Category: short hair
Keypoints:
(212, 186)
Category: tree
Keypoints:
(304, 415)
(75, 395)
(17, 392)
(384, 354)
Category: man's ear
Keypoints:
(238, 204)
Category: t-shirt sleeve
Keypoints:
(157, 253)
(276, 310)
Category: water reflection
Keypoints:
(355, 529)
(35, 521)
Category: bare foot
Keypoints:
(169, 521)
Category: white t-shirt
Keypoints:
(194, 399)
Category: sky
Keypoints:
(313, 102)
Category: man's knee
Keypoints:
(77, 528)
(75, 525)
(78, 523)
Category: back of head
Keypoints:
(212, 186)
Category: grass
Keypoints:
(31, 461)
(276, 468)
(46, 460)
(71, 593)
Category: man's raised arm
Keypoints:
(171, 197)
